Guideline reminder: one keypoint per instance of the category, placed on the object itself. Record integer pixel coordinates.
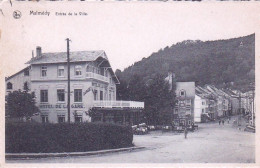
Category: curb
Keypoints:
(65, 154)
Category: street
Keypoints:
(212, 143)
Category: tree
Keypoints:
(21, 104)
(154, 92)
(159, 101)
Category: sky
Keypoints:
(127, 32)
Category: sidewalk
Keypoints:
(65, 154)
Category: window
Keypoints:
(102, 72)
(61, 71)
(44, 95)
(88, 68)
(105, 97)
(188, 101)
(182, 122)
(188, 111)
(43, 71)
(61, 95)
(25, 86)
(203, 103)
(26, 72)
(176, 111)
(95, 95)
(77, 95)
(9, 85)
(189, 122)
(182, 93)
(78, 70)
(45, 119)
(101, 95)
(61, 118)
(78, 118)
(109, 95)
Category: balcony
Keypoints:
(118, 104)
(91, 75)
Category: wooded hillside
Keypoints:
(223, 63)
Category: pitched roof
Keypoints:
(21, 71)
(189, 88)
(75, 56)
(231, 93)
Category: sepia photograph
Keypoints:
(129, 82)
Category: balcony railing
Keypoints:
(96, 76)
(118, 104)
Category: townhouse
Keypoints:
(201, 106)
(184, 107)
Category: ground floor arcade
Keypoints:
(124, 116)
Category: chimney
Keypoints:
(32, 54)
(38, 51)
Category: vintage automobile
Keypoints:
(151, 127)
(140, 129)
(178, 128)
(166, 128)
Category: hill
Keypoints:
(223, 63)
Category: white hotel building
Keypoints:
(92, 86)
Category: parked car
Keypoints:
(140, 129)
(166, 128)
(151, 127)
(178, 128)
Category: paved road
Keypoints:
(212, 143)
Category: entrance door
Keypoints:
(183, 122)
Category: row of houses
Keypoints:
(212, 103)
(203, 104)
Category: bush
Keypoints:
(45, 138)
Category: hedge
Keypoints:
(46, 138)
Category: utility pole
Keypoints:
(239, 119)
(68, 65)
(252, 87)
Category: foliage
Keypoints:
(80, 137)
(159, 101)
(155, 93)
(223, 63)
(20, 104)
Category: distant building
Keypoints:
(222, 100)
(183, 112)
(93, 88)
(19, 81)
(201, 106)
(211, 105)
(184, 107)
(234, 99)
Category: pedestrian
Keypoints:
(192, 126)
(185, 132)
(219, 122)
(223, 122)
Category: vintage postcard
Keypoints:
(129, 83)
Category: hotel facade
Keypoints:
(92, 88)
